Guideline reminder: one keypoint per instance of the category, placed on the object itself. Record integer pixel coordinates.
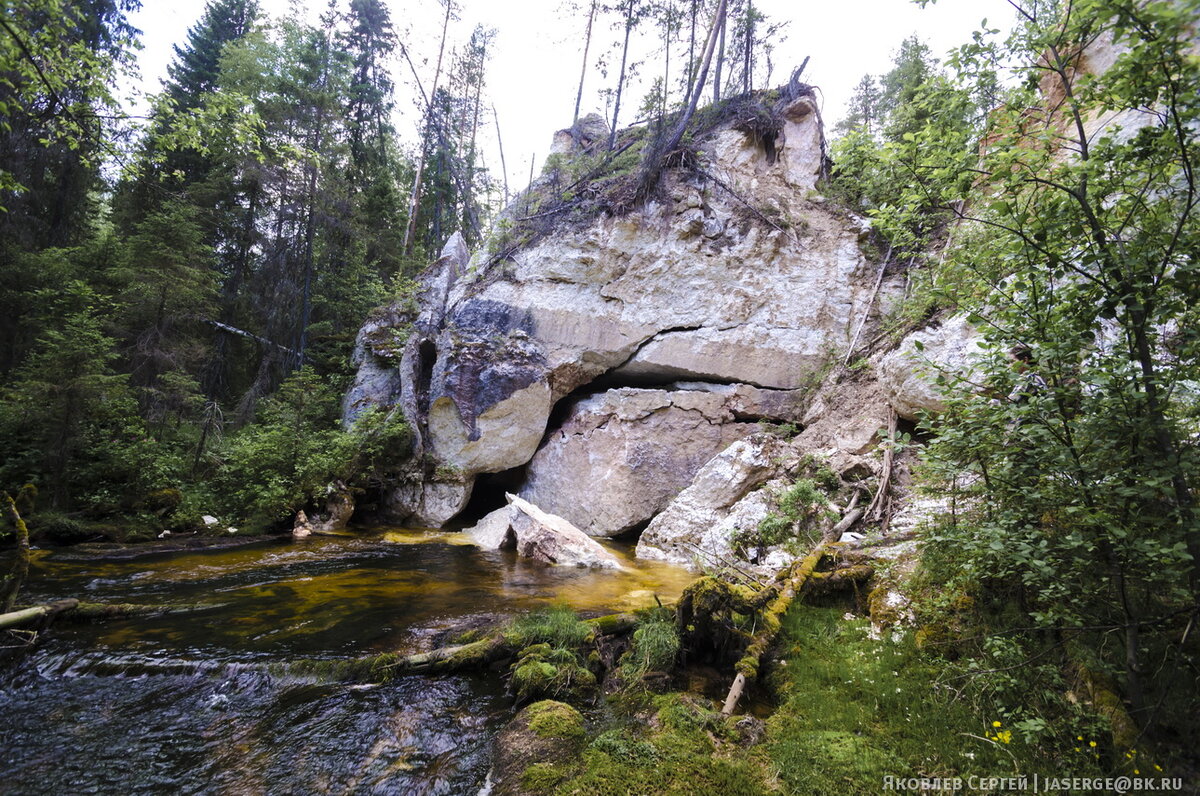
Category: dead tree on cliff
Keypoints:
(656, 154)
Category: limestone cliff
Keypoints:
(603, 364)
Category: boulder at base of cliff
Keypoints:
(540, 536)
(698, 525)
(339, 507)
(621, 456)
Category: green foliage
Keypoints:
(1072, 451)
(556, 625)
(655, 648)
(288, 458)
(799, 510)
(854, 710)
(550, 664)
(68, 421)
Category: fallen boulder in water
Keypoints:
(540, 536)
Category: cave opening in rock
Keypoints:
(488, 495)
(426, 359)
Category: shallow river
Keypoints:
(181, 704)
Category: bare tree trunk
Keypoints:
(500, 143)
(747, 67)
(587, 43)
(612, 136)
(691, 67)
(410, 231)
(720, 62)
(666, 85)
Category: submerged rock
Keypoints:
(540, 536)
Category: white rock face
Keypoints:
(697, 525)
(621, 456)
(909, 373)
(745, 278)
(428, 504)
(540, 536)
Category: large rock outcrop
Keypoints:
(910, 373)
(697, 527)
(714, 522)
(738, 274)
(619, 457)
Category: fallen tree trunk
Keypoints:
(37, 613)
(747, 667)
(826, 582)
(443, 660)
(72, 610)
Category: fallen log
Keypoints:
(72, 610)
(826, 582)
(35, 614)
(442, 660)
(747, 667)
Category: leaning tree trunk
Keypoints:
(20, 568)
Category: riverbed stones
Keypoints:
(621, 456)
(539, 536)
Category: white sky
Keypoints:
(534, 70)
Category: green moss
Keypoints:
(542, 777)
(542, 671)
(550, 719)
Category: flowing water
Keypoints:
(182, 703)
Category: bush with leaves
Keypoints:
(289, 457)
(1077, 432)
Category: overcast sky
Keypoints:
(534, 70)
